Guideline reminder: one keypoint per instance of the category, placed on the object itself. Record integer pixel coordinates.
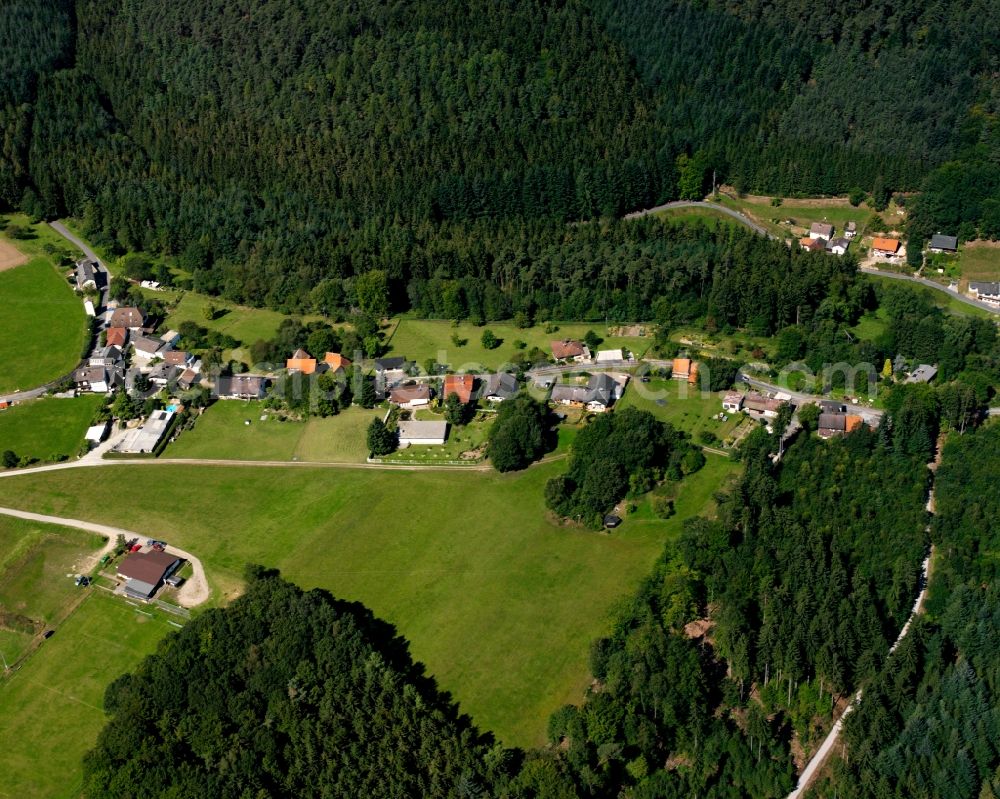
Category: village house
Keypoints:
(146, 349)
(820, 230)
(117, 337)
(569, 350)
(127, 317)
(108, 357)
(732, 402)
(838, 246)
(96, 379)
(850, 230)
(335, 362)
(924, 373)
(813, 245)
(414, 395)
(499, 387)
(600, 393)
(86, 275)
(143, 439)
(837, 424)
(423, 433)
(178, 358)
(941, 243)
(759, 406)
(389, 372)
(164, 374)
(241, 387)
(684, 369)
(145, 572)
(885, 247)
(985, 292)
(188, 379)
(302, 362)
(460, 385)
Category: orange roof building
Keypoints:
(336, 361)
(693, 374)
(890, 246)
(301, 361)
(117, 336)
(460, 385)
(681, 369)
(853, 423)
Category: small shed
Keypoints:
(611, 521)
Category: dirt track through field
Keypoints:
(10, 256)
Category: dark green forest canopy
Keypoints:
(277, 147)
(284, 693)
(929, 725)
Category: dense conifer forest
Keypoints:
(275, 148)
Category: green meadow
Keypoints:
(43, 324)
(445, 556)
(47, 428)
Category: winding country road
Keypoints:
(923, 281)
(194, 591)
(743, 219)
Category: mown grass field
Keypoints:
(979, 260)
(51, 709)
(222, 432)
(421, 339)
(35, 560)
(43, 325)
(499, 603)
(47, 427)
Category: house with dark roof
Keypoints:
(499, 387)
(97, 379)
(86, 275)
(838, 246)
(985, 292)
(924, 373)
(389, 364)
(941, 243)
(820, 230)
(107, 357)
(147, 348)
(598, 395)
(241, 387)
(131, 318)
(459, 385)
(389, 373)
(837, 424)
(145, 572)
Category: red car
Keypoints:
(135, 548)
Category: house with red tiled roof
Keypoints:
(301, 361)
(569, 350)
(460, 385)
(131, 318)
(117, 337)
(336, 361)
(415, 395)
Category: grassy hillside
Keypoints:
(46, 428)
(443, 556)
(43, 325)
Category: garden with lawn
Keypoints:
(222, 432)
(43, 322)
(498, 601)
(685, 407)
(48, 428)
(419, 340)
